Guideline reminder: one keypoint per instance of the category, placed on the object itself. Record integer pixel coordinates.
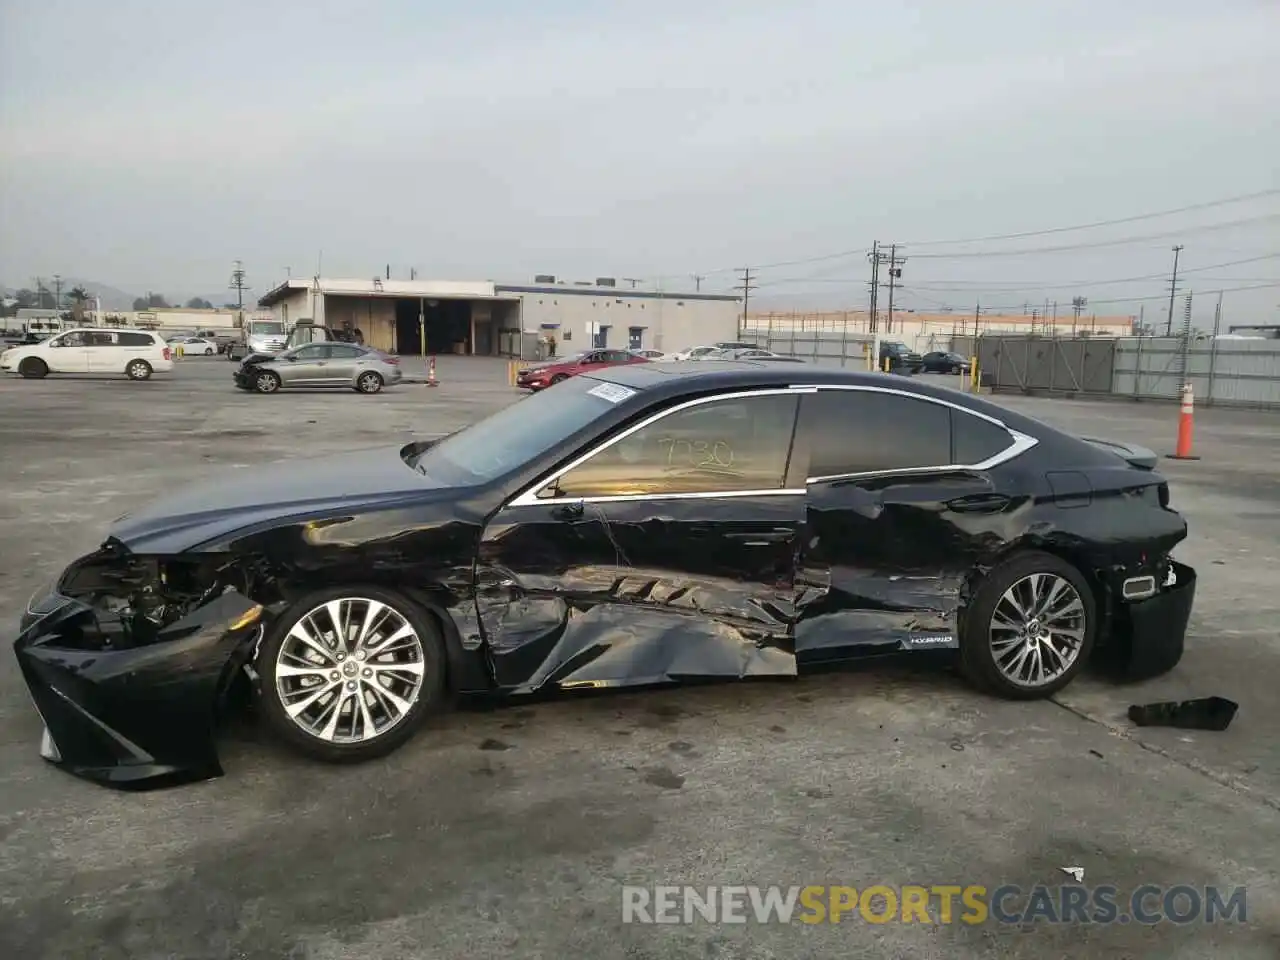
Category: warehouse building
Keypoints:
(484, 318)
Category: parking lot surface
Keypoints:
(509, 832)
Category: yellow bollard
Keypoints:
(974, 381)
(178, 351)
(886, 365)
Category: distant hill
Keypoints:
(114, 298)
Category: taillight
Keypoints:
(391, 359)
(166, 353)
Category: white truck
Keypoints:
(257, 336)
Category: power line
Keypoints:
(1099, 223)
(1095, 244)
(1021, 285)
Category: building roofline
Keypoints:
(617, 293)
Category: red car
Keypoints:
(546, 374)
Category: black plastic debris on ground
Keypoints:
(1207, 713)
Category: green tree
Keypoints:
(78, 296)
(199, 303)
(152, 301)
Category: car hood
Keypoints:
(259, 495)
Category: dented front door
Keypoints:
(667, 553)
(640, 591)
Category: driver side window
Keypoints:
(723, 446)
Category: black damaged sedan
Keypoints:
(647, 524)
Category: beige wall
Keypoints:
(667, 323)
(928, 331)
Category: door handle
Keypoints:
(773, 536)
(979, 503)
(568, 511)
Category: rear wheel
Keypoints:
(369, 382)
(264, 381)
(33, 368)
(138, 370)
(350, 674)
(1030, 627)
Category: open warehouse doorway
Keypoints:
(446, 323)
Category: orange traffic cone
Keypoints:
(1185, 417)
(431, 374)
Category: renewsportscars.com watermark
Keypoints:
(945, 904)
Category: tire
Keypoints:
(559, 378)
(208, 351)
(264, 381)
(985, 645)
(369, 382)
(409, 684)
(138, 370)
(33, 368)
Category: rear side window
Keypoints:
(864, 431)
(342, 351)
(975, 440)
(127, 339)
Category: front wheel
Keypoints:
(266, 382)
(138, 370)
(33, 368)
(559, 378)
(208, 351)
(349, 674)
(1030, 627)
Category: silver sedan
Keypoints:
(359, 368)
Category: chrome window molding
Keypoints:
(529, 497)
(1020, 444)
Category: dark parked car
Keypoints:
(940, 361)
(642, 524)
(901, 358)
(557, 371)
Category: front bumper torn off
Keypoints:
(135, 717)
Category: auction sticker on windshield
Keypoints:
(613, 392)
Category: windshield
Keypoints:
(260, 329)
(519, 433)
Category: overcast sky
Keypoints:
(147, 144)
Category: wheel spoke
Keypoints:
(295, 709)
(414, 667)
(406, 631)
(301, 633)
(373, 614)
(331, 725)
(287, 670)
(339, 618)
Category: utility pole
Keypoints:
(874, 257)
(239, 286)
(1077, 307)
(1173, 289)
(1217, 316)
(697, 282)
(894, 263)
(57, 296)
(746, 286)
(895, 273)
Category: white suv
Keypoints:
(135, 354)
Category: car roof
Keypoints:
(667, 380)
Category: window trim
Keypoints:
(1021, 442)
(529, 497)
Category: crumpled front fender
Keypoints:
(136, 717)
